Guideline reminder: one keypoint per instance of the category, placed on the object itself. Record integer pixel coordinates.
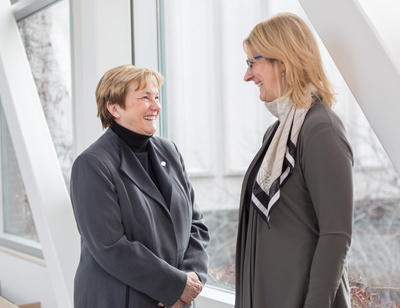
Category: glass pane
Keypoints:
(46, 38)
(222, 249)
(374, 267)
(17, 215)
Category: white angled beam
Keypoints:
(23, 8)
(37, 159)
(364, 63)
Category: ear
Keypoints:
(282, 67)
(113, 109)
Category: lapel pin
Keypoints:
(163, 163)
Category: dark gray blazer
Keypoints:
(136, 243)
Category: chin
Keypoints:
(262, 96)
(151, 131)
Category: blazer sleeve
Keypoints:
(327, 169)
(195, 258)
(98, 217)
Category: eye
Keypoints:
(250, 63)
(145, 97)
(156, 98)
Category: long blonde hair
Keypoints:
(286, 37)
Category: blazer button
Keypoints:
(163, 163)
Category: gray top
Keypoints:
(300, 260)
(137, 241)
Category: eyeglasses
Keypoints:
(250, 62)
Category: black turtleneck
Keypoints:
(138, 144)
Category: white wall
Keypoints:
(25, 281)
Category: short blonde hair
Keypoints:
(114, 85)
(286, 37)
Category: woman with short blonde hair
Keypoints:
(296, 205)
(143, 239)
(114, 85)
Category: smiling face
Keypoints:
(266, 74)
(141, 110)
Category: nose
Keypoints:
(155, 104)
(248, 76)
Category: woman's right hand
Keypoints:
(192, 289)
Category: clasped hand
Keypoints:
(192, 290)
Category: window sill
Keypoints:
(20, 247)
(23, 256)
(213, 297)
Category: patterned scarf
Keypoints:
(279, 160)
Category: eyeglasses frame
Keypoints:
(250, 62)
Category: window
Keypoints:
(45, 35)
(46, 38)
(17, 225)
(374, 269)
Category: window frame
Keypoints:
(44, 183)
(147, 22)
(25, 8)
(21, 10)
(9, 240)
(20, 244)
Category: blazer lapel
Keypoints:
(173, 191)
(161, 168)
(172, 194)
(131, 166)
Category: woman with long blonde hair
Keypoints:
(296, 206)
